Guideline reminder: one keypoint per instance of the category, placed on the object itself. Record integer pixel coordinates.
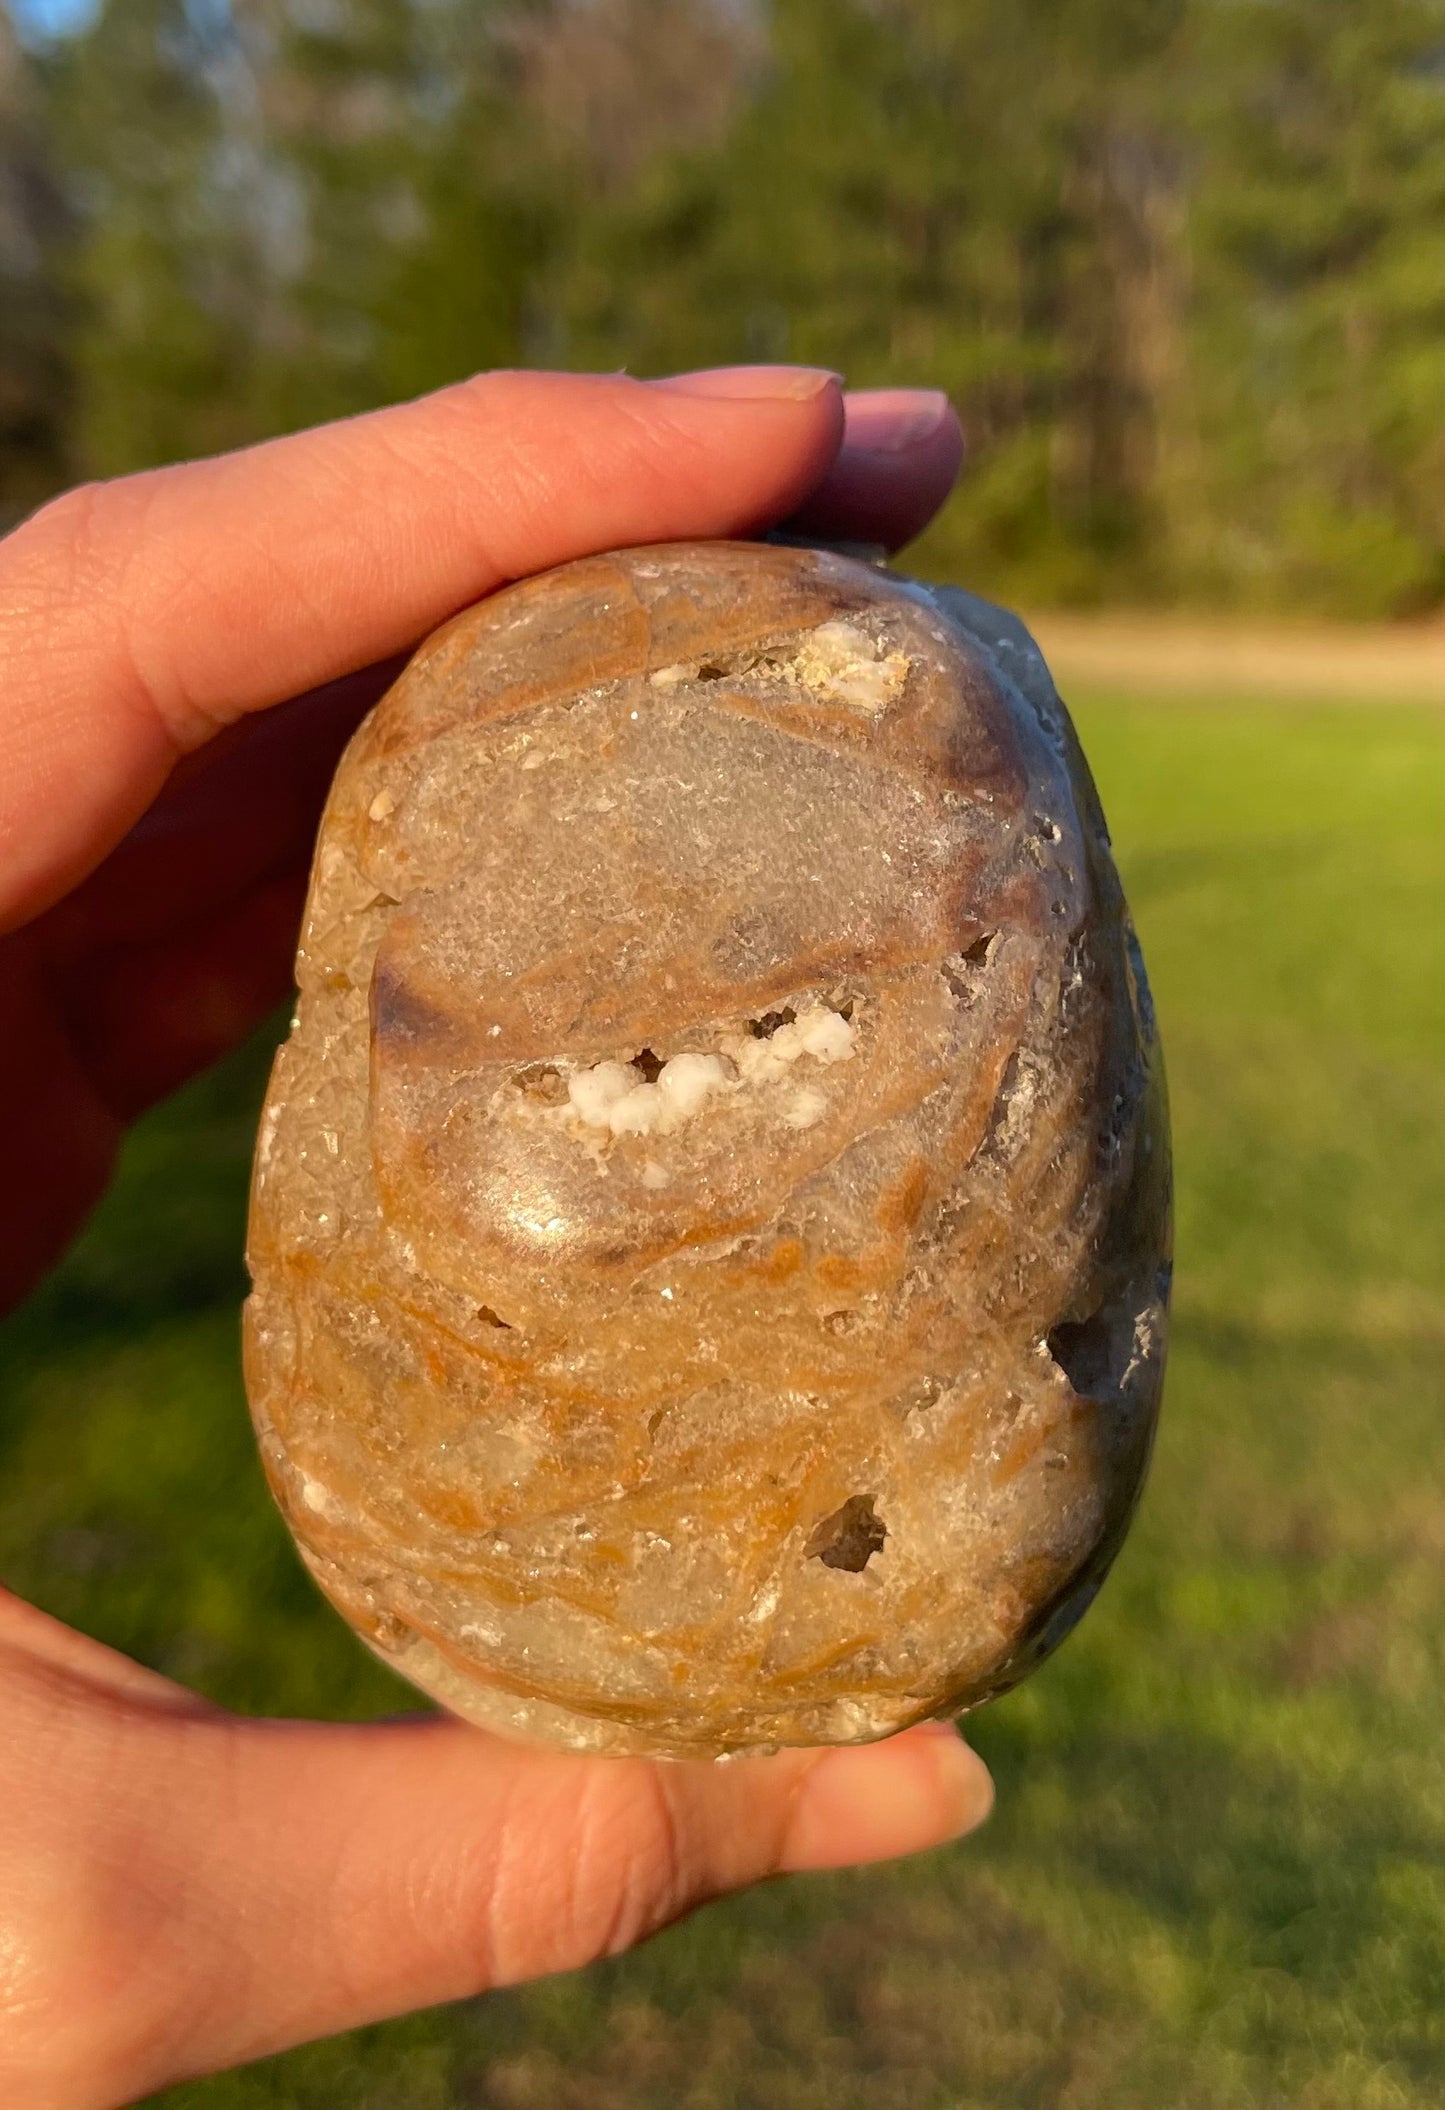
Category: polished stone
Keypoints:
(710, 1221)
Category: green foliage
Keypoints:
(1321, 313)
(1177, 260)
(1213, 1879)
(34, 322)
(165, 281)
(926, 190)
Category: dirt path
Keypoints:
(1405, 664)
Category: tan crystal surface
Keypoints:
(710, 1218)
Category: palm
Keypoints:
(166, 956)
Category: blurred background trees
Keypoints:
(1180, 262)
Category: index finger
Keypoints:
(137, 618)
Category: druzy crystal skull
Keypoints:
(710, 1219)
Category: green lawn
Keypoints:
(1216, 1876)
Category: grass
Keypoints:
(1216, 1876)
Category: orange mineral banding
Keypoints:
(710, 1220)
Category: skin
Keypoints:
(182, 655)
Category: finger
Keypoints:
(31, 1641)
(238, 812)
(137, 618)
(900, 458)
(209, 1891)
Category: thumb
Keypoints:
(185, 1890)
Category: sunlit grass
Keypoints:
(1217, 1872)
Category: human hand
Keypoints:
(182, 655)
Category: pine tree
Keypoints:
(1176, 260)
(1319, 329)
(170, 274)
(979, 197)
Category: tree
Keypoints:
(34, 322)
(1176, 260)
(978, 195)
(1319, 325)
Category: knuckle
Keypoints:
(68, 584)
(58, 579)
(54, 554)
(649, 1881)
(617, 1866)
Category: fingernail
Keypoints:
(881, 1801)
(891, 420)
(770, 384)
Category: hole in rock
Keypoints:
(1008, 1084)
(771, 1021)
(850, 1537)
(542, 1081)
(650, 1065)
(960, 983)
(1083, 1350)
(388, 1632)
(488, 1317)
